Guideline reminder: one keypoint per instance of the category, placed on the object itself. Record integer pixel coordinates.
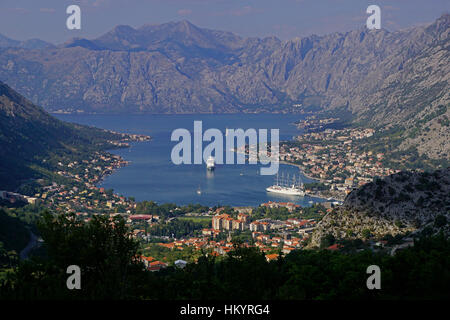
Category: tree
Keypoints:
(327, 241)
(440, 221)
(398, 224)
(366, 233)
(103, 248)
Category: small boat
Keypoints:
(210, 163)
(199, 191)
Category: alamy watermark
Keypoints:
(374, 281)
(258, 148)
(374, 20)
(74, 280)
(74, 20)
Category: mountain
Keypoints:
(30, 137)
(170, 38)
(382, 79)
(178, 67)
(405, 202)
(6, 42)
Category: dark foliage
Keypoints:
(106, 254)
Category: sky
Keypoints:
(286, 19)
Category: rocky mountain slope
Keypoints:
(178, 67)
(400, 203)
(384, 79)
(29, 136)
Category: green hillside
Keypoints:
(31, 140)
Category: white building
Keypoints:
(180, 264)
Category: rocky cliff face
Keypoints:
(401, 203)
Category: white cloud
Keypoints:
(47, 10)
(184, 12)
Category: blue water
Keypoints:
(151, 174)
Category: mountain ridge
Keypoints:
(34, 43)
(384, 79)
(203, 59)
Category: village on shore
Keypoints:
(333, 158)
(276, 228)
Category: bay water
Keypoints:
(151, 175)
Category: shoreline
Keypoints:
(312, 178)
(125, 144)
(124, 163)
(97, 184)
(302, 170)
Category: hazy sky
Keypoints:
(46, 19)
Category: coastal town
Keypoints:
(177, 235)
(71, 186)
(197, 154)
(313, 123)
(332, 157)
(238, 227)
(73, 189)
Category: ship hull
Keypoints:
(286, 191)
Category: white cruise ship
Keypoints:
(287, 186)
(210, 163)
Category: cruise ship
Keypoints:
(287, 186)
(210, 163)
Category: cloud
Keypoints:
(47, 10)
(184, 12)
(390, 8)
(17, 10)
(359, 18)
(98, 3)
(245, 11)
(93, 3)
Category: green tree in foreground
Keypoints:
(103, 249)
(106, 253)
